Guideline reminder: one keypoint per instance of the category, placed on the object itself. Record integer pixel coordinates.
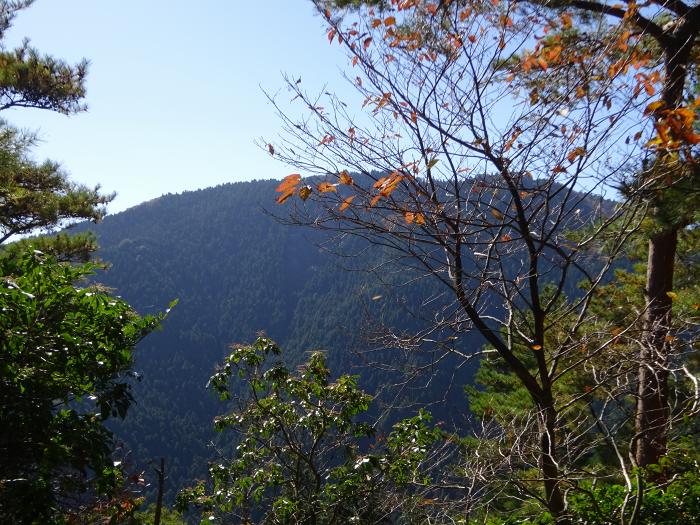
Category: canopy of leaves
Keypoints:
(303, 455)
(65, 356)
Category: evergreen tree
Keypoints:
(65, 347)
(35, 197)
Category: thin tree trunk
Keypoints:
(161, 482)
(652, 413)
(549, 467)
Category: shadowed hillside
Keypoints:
(237, 271)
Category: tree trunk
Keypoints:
(161, 482)
(652, 410)
(652, 413)
(549, 467)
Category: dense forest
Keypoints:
(237, 271)
(476, 301)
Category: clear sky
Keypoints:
(174, 88)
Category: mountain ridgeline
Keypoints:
(237, 271)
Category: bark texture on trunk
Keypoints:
(652, 412)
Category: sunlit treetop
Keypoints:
(36, 197)
(30, 79)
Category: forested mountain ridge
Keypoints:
(453, 248)
(237, 271)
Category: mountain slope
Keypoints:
(237, 271)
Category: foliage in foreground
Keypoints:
(65, 353)
(304, 453)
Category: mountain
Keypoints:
(237, 271)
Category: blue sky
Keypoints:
(174, 89)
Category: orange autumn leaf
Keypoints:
(622, 42)
(375, 200)
(536, 347)
(290, 181)
(383, 101)
(367, 42)
(574, 153)
(554, 52)
(687, 114)
(414, 217)
(506, 21)
(288, 193)
(512, 140)
(390, 185)
(389, 21)
(380, 182)
(463, 15)
(431, 8)
(326, 187)
(331, 35)
(534, 97)
(376, 23)
(345, 178)
(565, 20)
(346, 203)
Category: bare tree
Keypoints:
(492, 187)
